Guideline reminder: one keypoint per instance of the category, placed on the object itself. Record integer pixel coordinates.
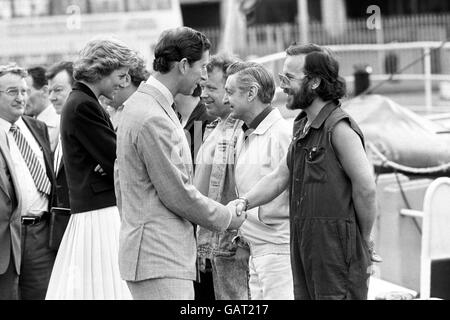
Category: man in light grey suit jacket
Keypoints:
(10, 198)
(10, 225)
(154, 174)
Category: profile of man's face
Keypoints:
(124, 92)
(195, 74)
(59, 90)
(295, 85)
(213, 93)
(236, 98)
(34, 99)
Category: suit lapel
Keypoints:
(155, 93)
(5, 152)
(4, 149)
(165, 105)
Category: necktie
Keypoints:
(37, 172)
(58, 156)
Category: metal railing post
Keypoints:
(428, 82)
(303, 20)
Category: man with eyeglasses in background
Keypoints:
(29, 148)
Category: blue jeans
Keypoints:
(230, 279)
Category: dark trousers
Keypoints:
(204, 289)
(37, 261)
(329, 260)
(9, 283)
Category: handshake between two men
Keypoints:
(239, 209)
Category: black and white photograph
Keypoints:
(225, 155)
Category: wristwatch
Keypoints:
(245, 200)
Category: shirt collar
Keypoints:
(258, 119)
(49, 115)
(162, 88)
(21, 124)
(321, 117)
(324, 113)
(6, 125)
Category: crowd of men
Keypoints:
(219, 197)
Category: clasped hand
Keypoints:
(237, 207)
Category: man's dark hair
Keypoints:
(325, 67)
(221, 62)
(61, 66)
(320, 63)
(38, 76)
(176, 44)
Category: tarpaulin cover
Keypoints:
(401, 135)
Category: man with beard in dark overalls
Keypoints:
(330, 180)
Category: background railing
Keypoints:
(266, 39)
(420, 72)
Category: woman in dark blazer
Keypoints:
(86, 266)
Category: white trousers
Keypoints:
(271, 277)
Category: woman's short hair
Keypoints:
(253, 74)
(100, 57)
(176, 44)
(138, 72)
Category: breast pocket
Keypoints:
(315, 165)
(101, 186)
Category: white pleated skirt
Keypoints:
(87, 266)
